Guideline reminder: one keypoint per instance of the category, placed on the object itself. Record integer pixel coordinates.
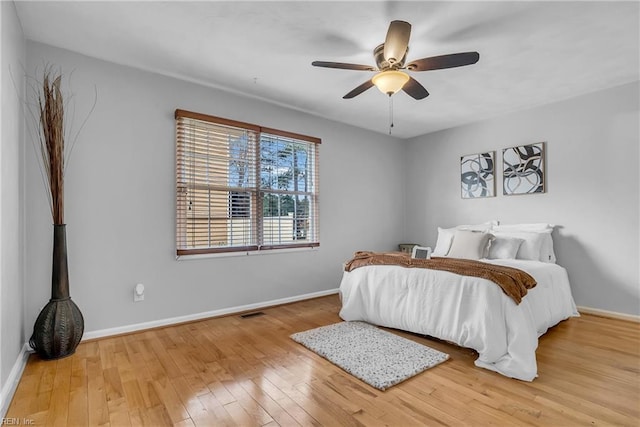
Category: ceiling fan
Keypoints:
(390, 58)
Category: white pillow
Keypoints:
(536, 227)
(484, 226)
(504, 247)
(445, 236)
(531, 246)
(546, 253)
(469, 244)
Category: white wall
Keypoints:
(593, 188)
(12, 335)
(120, 201)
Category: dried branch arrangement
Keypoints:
(48, 116)
(51, 139)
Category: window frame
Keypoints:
(256, 193)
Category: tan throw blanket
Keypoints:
(513, 282)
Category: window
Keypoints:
(241, 187)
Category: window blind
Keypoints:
(241, 187)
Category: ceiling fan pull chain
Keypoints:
(390, 113)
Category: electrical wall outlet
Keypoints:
(138, 293)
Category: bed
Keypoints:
(469, 311)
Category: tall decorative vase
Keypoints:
(60, 325)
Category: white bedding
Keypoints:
(470, 311)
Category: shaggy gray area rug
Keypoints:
(377, 357)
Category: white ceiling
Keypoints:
(531, 53)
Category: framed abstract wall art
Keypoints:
(523, 169)
(477, 175)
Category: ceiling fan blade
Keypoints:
(414, 89)
(357, 91)
(444, 61)
(343, 66)
(397, 41)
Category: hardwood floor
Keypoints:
(248, 372)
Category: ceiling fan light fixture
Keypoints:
(390, 82)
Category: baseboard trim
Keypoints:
(13, 380)
(199, 316)
(609, 314)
